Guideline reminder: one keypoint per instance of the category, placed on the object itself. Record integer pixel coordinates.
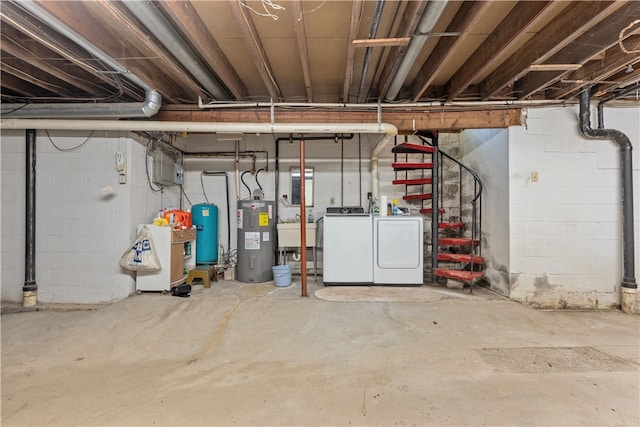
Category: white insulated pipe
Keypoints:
(387, 130)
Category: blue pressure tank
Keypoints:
(205, 218)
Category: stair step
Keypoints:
(450, 225)
(416, 197)
(418, 181)
(411, 165)
(407, 148)
(460, 258)
(457, 241)
(467, 276)
(427, 211)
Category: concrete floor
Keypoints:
(254, 354)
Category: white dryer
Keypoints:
(398, 250)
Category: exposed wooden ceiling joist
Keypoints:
(294, 51)
(596, 40)
(35, 57)
(509, 32)
(575, 20)
(613, 61)
(301, 36)
(466, 17)
(253, 44)
(354, 26)
(47, 44)
(196, 33)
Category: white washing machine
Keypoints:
(347, 249)
(398, 250)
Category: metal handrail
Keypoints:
(476, 214)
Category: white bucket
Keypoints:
(282, 275)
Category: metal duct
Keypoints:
(429, 19)
(148, 108)
(367, 55)
(155, 22)
(628, 276)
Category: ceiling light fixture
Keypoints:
(629, 69)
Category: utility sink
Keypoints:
(289, 235)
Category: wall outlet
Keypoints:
(332, 201)
(534, 176)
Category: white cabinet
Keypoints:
(176, 250)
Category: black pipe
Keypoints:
(341, 171)
(30, 284)
(611, 98)
(244, 183)
(628, 276)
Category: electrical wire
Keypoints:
(185, 195)
(77, 147)
(146, 164)
(204, 193)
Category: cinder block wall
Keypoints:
(486, 151)
(563, 229)
(80, 232)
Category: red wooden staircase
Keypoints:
(455, 243)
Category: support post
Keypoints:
(303, 223)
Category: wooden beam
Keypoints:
(508, 33)
(198, 35)
(36, 77)
(253, 43)
(394, 41)
(356, 12)
(596, 40)
(623, 80)
(11, 83)
(613, 60)
(301, 37)
(406, 121)
(469, 14)
(534, 82)
(74, 77)
(571, 23)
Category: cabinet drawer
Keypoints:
(178, 236)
